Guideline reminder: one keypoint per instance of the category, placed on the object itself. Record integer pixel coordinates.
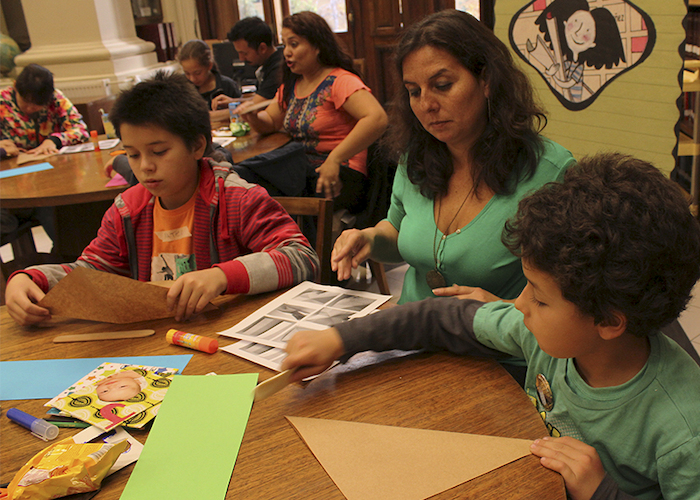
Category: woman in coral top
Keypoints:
(324, 104)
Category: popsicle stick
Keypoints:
(84, 337)
(272, 385)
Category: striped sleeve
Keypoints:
(279, 254)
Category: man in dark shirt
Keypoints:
(252, 39)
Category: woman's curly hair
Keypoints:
(510, 145)
(616, 235)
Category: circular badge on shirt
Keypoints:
(544, 392)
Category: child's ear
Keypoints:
(612, 327)
(200, 145)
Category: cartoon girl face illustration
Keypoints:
(569, 44)
(579, 31)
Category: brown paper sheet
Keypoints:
(381, 462)
(23, 158)
(109, 298)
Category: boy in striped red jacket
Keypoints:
(189, 219)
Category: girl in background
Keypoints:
(199, 67)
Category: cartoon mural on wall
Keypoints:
(579, 47)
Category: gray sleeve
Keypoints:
(608, 490)
(434, 324)
(122, 167)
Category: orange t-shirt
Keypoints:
(173, 245)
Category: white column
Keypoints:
(90, 46)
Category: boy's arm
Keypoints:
(105, 253)
(431, 324)
(280, 254)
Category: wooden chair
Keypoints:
(322, 209)
(92, 115)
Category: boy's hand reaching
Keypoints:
(191, 292)
(578, 463)
(21, 296)
(312, 352)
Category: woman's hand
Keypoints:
(351, 249)
(22, 296)
(467, 292)
(328, 181)
(46, 147)
(578, 463)
(312, 352)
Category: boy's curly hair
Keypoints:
(616, 235)
(169, 101)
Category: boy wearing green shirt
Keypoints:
(611, 255)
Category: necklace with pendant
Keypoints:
(434, 277)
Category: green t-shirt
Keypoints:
(646, 431)
(474, 256)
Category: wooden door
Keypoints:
(378, 26)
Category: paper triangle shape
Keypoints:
(382, 462)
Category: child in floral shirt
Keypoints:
(37, 117)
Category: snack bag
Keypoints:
(64, 468)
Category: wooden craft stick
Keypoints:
(272, 385)
(84, 337)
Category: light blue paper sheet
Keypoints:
(46, 378)
(25, 170)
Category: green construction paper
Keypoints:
(192, 447)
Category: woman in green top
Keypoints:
(468, 128)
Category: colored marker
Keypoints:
(39, 427)
(192, 341)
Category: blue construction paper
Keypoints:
(46, 378)
(38, 167)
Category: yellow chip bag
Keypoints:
(64, 468)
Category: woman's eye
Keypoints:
(443, 86)
(413, 92)
(160, 153)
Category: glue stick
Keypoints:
(94, 139)
(192, 341)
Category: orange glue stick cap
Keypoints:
(192, 341)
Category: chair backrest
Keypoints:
(93, 117)
(322, 209)
(380, 173)
(224, 55)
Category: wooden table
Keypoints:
(428, 391)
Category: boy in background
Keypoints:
(252, 39)
(189, 220)
(611, 255)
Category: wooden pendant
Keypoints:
(435, 279)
